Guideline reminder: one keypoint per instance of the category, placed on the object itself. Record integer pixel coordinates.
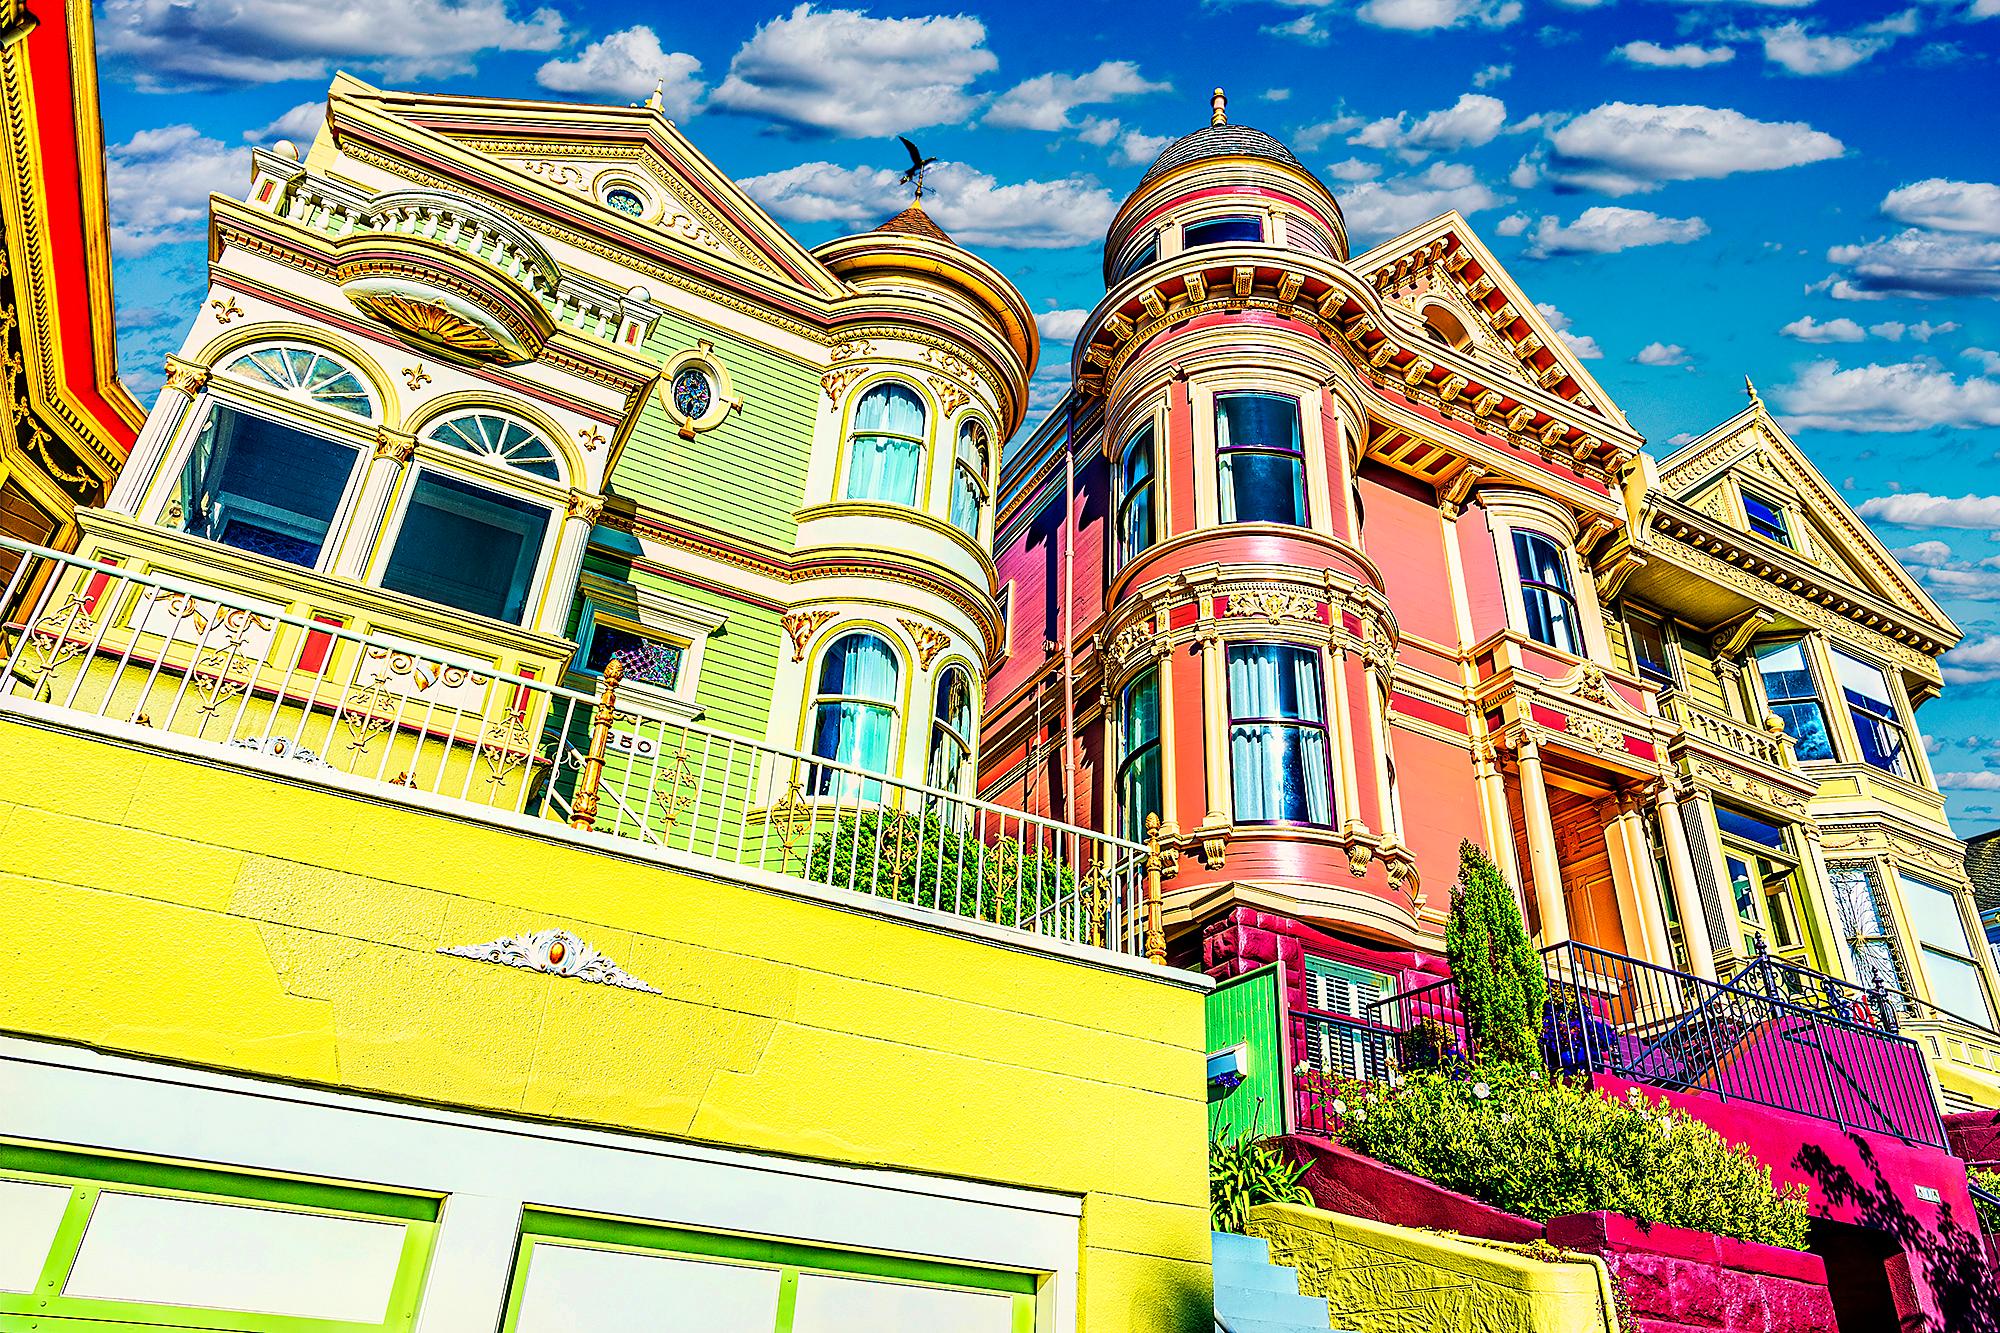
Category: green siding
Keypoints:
(747, 475)
(1704, 687)
(1247, 1009)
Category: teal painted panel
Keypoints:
(1248, 1010)
(746, 476)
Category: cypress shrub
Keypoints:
(1501, 985)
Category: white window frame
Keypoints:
(657, 613)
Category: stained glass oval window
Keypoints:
(693, 393)
(309, 374)
(501, 441)
(625, 201)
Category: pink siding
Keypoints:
(1481, 564)
(1401, 534)
(1440, 806)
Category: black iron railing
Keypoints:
(1770, 1033)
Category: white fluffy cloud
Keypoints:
(1138, 149)
(629, 64)
(1922, 331)
(1473, 120)
(1661, 354)
(1607, 229)
(1060, 326)
(1920, 509)
(1377, 209)
(1920, 264)
(840, 72)
(1980, 780)
(1797, 49)
(1491, 75)
(1584, 348)
(1945, 205)
(165, 44)
(974, 207)
(1973, 662)
(1806, 330)
(159, 182)
(1894, 399)
(1045, 101)
(1427, 15)
(1626, 148)
(1686, 56)
(300, 125)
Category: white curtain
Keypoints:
(1277, 738)
(885, 458)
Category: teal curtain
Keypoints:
(854, 717)
(885, 457)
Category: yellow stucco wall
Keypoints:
(1379, 1278)
(213, 916)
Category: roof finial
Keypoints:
(1220, 114)
(1751, 389)
(658, 99)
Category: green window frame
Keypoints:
(89, 1175)
(791, 1260)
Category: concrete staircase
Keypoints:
(1254, 1295)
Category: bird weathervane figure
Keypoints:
(919, 164)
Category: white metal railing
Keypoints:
(217, 671)
(1726, 733)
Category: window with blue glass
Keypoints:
(1221, 231)
(1766, 519)
(1945, 949)
(1546, 598)
(262, 487)
(1279, 761)
(1135, 494)
(968, 479)
(1260, 459)
(1139, 754)
(1793, 698)
(950, 764)
(885, 454)
(1648, 638)
(1145, 256)
(1872, 706)
(465, 546)
(854, 712)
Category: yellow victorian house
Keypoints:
(1793, 651)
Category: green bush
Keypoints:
(1501, 984)
(920, 859)
(1542, 1148)
(1989, 1214)
(1245, 1171)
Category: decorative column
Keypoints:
(1729, 931)
(1215, 725)
(393, 449)
(1343, 722)
(1823, 902)
(1493, 809)
(1542, 846)
(1379, 657)
(579, 517)
(1170, 786)
(1644, 890)
(185, 382)
(1686, 888)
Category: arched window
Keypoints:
(1139, 754)
(1279, 761)
(1545, 592)
(498, 440)
(968, 478)
(885, 455)
(1135, 494)
(468, 546)
(1260, 461)
(950, 767)
(307, 373)
(854, 712)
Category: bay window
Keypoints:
(1763, 881)
(1792, 696)
(1259, 458)
(1546, 599)
(1870, 702)
(469, 547)
(950, 764)
(1871, 951)
(259, 486)
(1944, 949)
(1279, 760)
(968, 479)
(1139, 754)
(885, 453)
(1135, 494)
(854, 712)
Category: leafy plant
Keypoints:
(922, 859)
(1428, 1044)
(1244, 1171)
(1542, 1148)
(1989, 1214)
(1501, 985)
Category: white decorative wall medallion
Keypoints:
(556, 952)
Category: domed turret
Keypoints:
(1223, 184)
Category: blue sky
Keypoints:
(1802, 191)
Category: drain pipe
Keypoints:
(1069, 616)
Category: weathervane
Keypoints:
(919, 164)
